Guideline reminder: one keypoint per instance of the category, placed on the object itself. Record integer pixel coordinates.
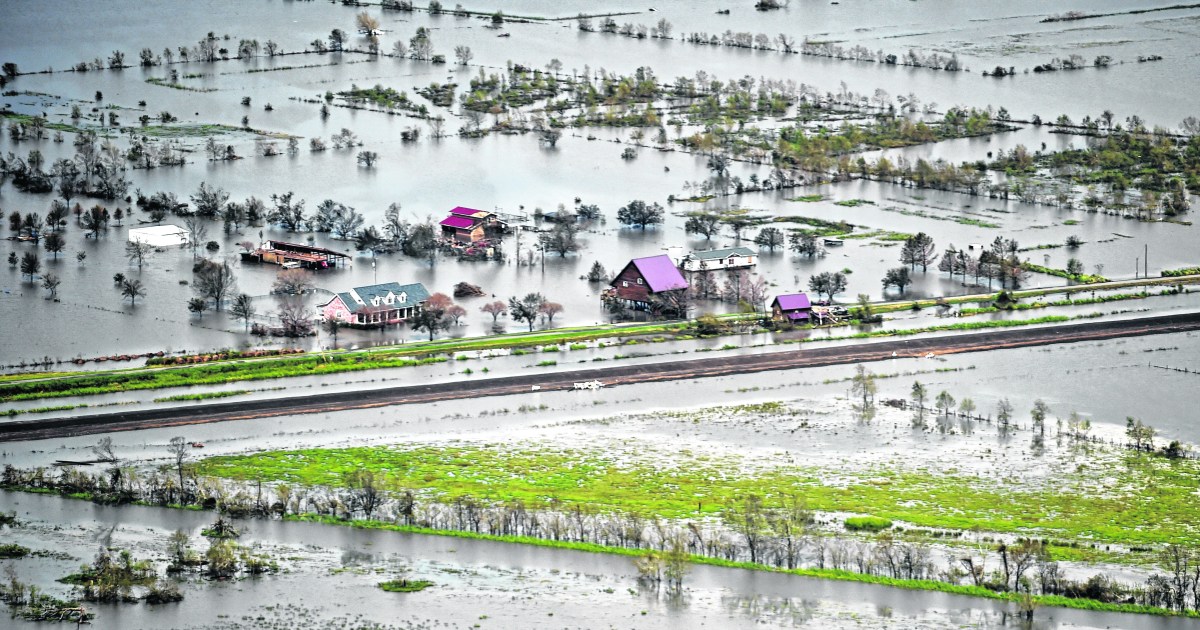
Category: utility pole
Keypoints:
(1146, 261)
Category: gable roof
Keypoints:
(469, 212)
(660, 273)
(360, 298)
(455, 221)
(792, 301)
(723, 253)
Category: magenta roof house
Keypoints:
(467, 225)
(643, 278)
(793, 307)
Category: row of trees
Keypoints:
(780, 532)
(96, 170)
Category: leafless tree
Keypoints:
(179, 451)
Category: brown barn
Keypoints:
(645, 277)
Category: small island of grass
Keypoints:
(405, 586)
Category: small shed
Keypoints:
(159, 235)
(791, 307)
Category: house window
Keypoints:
(390, 298)
(403, 298)
(639, 280)
(624, 283)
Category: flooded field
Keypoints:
(1039, 145)
(477, 583)
(518, 175)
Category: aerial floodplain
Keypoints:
(758, 313)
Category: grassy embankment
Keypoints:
(891, 307)
(1140, 500)
(33, 385)
(95, 383)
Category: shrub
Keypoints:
(867, 524)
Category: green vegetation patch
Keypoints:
(1107, 496)
(817, 227)
(12, 550)
(1083, 278)
(380, 96)
(210, 374)
(867, 524)
(405, 586)
(177, 86)
(202, 396)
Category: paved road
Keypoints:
(801, 357)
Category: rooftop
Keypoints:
(723, 253)
(793, 301)
(459, 222)
(304, 249)
(404, 295)
(660, 273)
(470, 212)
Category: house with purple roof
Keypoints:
(467, 225)
(791, 307)
(644, 278)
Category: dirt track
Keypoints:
(801, 357)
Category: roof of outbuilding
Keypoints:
(723, 253)
(458, 222)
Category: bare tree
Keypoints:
(463, 54)
(549, 310)
(50, 282)
(137, 252)
(196, 230)
(294, 317)
(103, 450)
(292, 282)
(365, 494)
(179, 451)
(495, 309)
(243, 309)
(213, 281)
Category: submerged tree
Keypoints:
(769, 237)
(243, 309)
(213, 281)
(639, 213)
(526, 309)
(863, 388)
(132, 290)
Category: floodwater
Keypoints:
(515, 174)
(329, 572)
(488, 584)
